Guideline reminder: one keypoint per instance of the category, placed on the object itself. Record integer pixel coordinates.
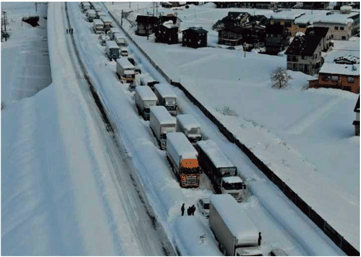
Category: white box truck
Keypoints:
(184, 160)
(220, 170)
(123, 51)
(100, 14)
(234, 230)
(120, 40)
(166, 97)
(188, 125)
(91, 15)
(161, 123)
(125, 70)
(112, 50)
(98, 26)
(147, 80)
(107, 23)
(144, 99)
(112, 31)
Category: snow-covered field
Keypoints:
(305, 136)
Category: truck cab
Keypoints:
(234, 186)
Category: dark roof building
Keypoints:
(194, 37)
(356, 122)
(304, 45)
(145, 24)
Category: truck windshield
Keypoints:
(232, 186)
(146, 110)
(191, 170)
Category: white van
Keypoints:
(91, 15)
(123, 51)
(98, 26)
(112, 31)
(119, 40)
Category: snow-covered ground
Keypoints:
(304, 136)
(28, 71)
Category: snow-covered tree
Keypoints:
(280, 78)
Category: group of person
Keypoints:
(190, 211)
(69, 31)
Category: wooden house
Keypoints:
(339, 76)
(277, 38)
(194, 37)
(166, 33)
(145, 25)
(230, 35)
(356, 122)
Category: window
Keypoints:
(302, 25)
(341, 28)
(343, 37)
(334, 78)
(336, 28)
(303, 57)
(350, 79)
(325, 77)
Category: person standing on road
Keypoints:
(259, 239)
(182, 209)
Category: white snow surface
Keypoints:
(215, 154)
(235, 218)
(341, 69)
(305, 136)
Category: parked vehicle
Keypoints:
(98, 26)
(85, 6)
(161, 123)
(91, 15)
(277, 252)
(184, 159)
(144, 99)
(136, 67)
(188, 125)
(112, 31)
(235, 231)
(166, 97)
(148, 80)
(100, 15)
(220, 170)
(107, 23)
(119, 40)
(125, 70)
(112, 50)
(123, 51)
(203, 206)
(103, 39)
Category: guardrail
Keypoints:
(339, 240)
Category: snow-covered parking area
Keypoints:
(305, 136)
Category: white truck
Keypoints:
(98, 26)
(125, 70)
(112, 50)
(112, 31)
(144, 99)
(166, 97)
(107, 23)
(119, 39)
(161, 123)
(85, 6)
(188, 125)
(123, 51)
(148, 80)
(184, 160)
(100, 14)
(220, 170)
(91, 15)
(234, 230)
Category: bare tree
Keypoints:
(280, 78)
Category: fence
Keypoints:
(340, 241)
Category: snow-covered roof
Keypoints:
(341, 69)
(346, 7)
(181, 145)
(235, 218)
(169, 24)
(211, 149)
(287, 14)
(145, 78)
(233, 179)
(125, 63)
(165, 90)
(97, 22)
(146, 93)
(111, 44)
(129, 72)
(331, 17)
(106, 19)
(162, 115)
(188, 121)
(123, 48)
(91, 12)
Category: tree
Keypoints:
(280, 78)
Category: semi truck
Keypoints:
(184, 160)
(166, 97)
(161, 123)
(188, 125)
(235, 232)
(125, 70)
(144, 99)
(98, 26)
(112, 50)
(220, 170)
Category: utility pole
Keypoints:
(5, 19)
(121, 19)
(36, 7)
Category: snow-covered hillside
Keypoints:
(305, 136)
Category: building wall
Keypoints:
(335, 30)
(296, 28)
(308, 64)
(341, 83)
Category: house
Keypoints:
(324, 33)
(304, 54)
(194, 37)
(166, 33)
(315, 5)
(266, 5)
(230, 35)
(169, 17)
(227, 4)
(277, 38)
(233, 19)
(340, 76)
(287, 18)
(145, 25)
(356, 122)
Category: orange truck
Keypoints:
(184, 159)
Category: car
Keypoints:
(203, 206)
